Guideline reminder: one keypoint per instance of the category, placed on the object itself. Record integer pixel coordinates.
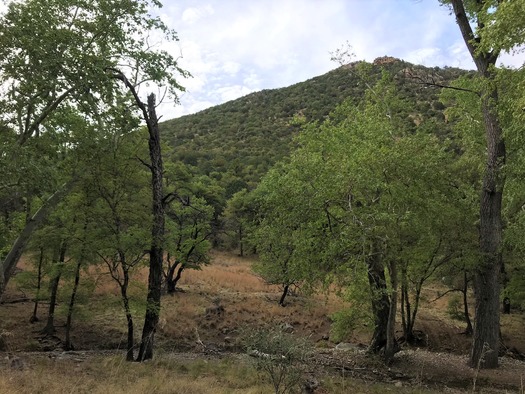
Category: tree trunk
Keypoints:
(49, 329)
(283, 296)
(178, 276)
(406, 311)
(129, 317)
(485, 346)
(469, 330)
(241, 242)
(34, 317)
(157, 236)
(172, 281)
(380, 302)
(11, 260)
(67, 344)
(391, 343)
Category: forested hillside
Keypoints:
(373, 210)
(237, 142)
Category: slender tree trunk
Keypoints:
(67, 344)
(34, 317)
(283, 296)
(129, 316)
(11, 260)
(157, 236)
(469, 330)
(49, 329)
(182, 267)
(406, 312)
(391, 343)
(380, 302)
(172, 281)
(241, 241)
(485, 346)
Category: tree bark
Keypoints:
(406, 311)
(157, 235)
(12, 258)
(34, 316)
(380, 302)
(468, 330)
(391, 343)
(283, 296)
(67, 343)
(172, 282)
(485, 346)
(49, 329)
(129, 317)
(241, 241)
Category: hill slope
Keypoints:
(240, 140)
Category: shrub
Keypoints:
(279, 357)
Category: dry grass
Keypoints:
(113, 375)
(248, 303)
(168, 373)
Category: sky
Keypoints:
(235, 47)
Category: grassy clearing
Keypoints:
(112, 374)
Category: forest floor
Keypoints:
(189, 335)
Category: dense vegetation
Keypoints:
(373, 179)
(237, 142)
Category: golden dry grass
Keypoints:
(248, 303)
(111, 374)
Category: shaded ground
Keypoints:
(189, 330)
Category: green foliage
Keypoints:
(245, 137)
(455, 308)
(364, 182)
(344, 323)
(279, 357)
(503, 25)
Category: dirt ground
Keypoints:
(190, 324)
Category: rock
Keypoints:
(346, 346)
(398, 384)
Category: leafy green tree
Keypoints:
(59, 58)
(238, 214)
(482, 26)
(363, 189)
(118, 183)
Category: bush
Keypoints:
(454, 308)
(279, 357)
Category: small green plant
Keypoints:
(279, 357)
(344, 323)
(454, 308)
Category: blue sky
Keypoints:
(235, 47)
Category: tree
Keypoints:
(118, 183)
(73, 45)
(188, 233)
(363, 189)
(238, 214)
(484, 43)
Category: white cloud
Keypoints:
(228, 93)
(234, 47)
(425, 56)
(192, 15)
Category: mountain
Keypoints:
(238, 141)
